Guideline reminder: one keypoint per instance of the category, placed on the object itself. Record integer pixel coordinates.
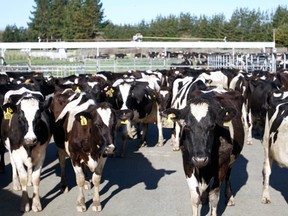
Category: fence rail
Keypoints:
(83, 64)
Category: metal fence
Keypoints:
(79, 58)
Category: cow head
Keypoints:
(27, 121)
(199, 121)
(97, 123)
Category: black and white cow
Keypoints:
(212, 137)
(85, 132)
(89, 137)
(275, 138)
(26, 131)
(138, 101)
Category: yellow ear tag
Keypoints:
(124, 121)
(83, 120)
(171, 115)
(228, 123)
(8, 113)
(27, 81)
(110, 92)
(77, 89)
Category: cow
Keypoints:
(212, 137)
(26, 130)
(138, 102)
(274, 138)
(241, 83)
(85, 133)
(15, 89)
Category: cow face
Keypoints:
(199, 120)
(138, 97)
(98, 123)
(26, 123)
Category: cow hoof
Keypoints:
(176, 148)
(249, 142)
(159, 144)
(231, 201)
(64, 188)
(265, 200)
(96, 207)
(87, 185)
(25, 207)
(81, 208)
(37, 207)
(143, 144)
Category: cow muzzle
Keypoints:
(200, 161)
(30, 141)
(126, 115)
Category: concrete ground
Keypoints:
(151, 182)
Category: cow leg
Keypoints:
(214, 196)
(63, 181)
(173, 135)
(249, 130)
(176, 145)
(80, 179)
(19, 167)
(267, 166)
(29, 172)
(87, 185)
(266, 172)
(124, 138)
(246, 117)
(15, 177)
(96, 178)
(159, 127)
(228, 190)
(194, 194)
(96, 199)
(41, 152)
(144, 135)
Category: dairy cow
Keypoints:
(138, 102)
(275, 137)
(84, 131)
(89, 137)
(26, 131)
(211, 139)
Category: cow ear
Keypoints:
(172, 114)
(225, 115)
(9, 109)
(82, 117)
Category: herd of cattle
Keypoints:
(212, 113)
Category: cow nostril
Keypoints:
(200, 161)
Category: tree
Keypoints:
(66, 19)
(40, 22)
(14, 34)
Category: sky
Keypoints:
(134, 11)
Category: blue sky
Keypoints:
(133, 11)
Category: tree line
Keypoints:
(84, 20)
